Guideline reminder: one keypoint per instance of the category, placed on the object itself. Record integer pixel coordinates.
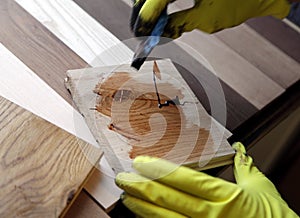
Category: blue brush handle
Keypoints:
(146, 46)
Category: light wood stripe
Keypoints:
(38, 48)
(79, 31)
(292, 25)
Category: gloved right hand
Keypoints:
(207, 15)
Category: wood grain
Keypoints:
(49, 105)
(172, 132)
(42, 166)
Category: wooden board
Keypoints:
(184, 134)
(42, 167)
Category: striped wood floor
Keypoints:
(254, 63)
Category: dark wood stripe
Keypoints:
(278, 33)
(84, 206)
(34, 45)
(114, 15)
(261, 123)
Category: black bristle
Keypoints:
(138, 62)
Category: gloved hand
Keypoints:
(164, 189)
(207, 15)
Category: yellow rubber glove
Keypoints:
(164, 189)
(207, 15)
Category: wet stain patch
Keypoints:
(150, 130)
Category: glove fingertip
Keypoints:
(140, 163)
(239, 147)
(128, 180)
(144, 159)
(120, 178)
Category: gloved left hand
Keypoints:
(164, 189)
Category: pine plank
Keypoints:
(42, 166)
(268, 58)
(201, 139)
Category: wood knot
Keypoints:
(70, 196)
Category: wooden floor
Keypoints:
(249, 66)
